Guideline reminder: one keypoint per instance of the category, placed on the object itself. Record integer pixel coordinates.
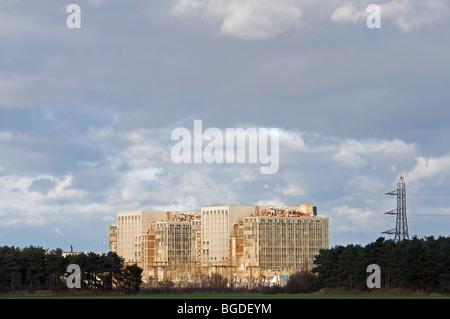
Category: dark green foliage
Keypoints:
(418, 264)
(215, 281)
(131, 278)
(302, 282)
(34, 268)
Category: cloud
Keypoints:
(354, 153)
(5, 136)
(22, 191)
(348, 12)
(406, 14)
(293, 140)
(349, 152)
(293, 190)
(85, 120)
(429, 168)
(355, 219)
(42, 186)
(244, 19)
(265, 19)
(188, 7)
(410, 14)
(142, 176)
(132, 185)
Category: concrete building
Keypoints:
(112, 236)
(218, 222)
(172, 246)
(284, 243)
(130, 228)
(148, 248)
(196, 240)
(173, 242)
(237, 241)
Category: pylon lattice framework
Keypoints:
(401, 225)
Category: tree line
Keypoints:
(35, 268)
(416, 264)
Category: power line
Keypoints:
(428, 194)
(432, 215)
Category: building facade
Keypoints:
(218, 223)
(130, 228)
(171, 245)
(236, 240)
(279, 243)
(112, 236)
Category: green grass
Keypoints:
(330, 294)
(282, 296)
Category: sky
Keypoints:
(87, 114)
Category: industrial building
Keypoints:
(238, 242)
(112, 235)
(130, 228)
(284, 242)
(171, 246)
(218, 222)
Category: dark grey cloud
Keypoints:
(86, 115)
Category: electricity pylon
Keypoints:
(401, 225)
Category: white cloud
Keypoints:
(132, 185)
(293, 190)
(429, 168)
(293, 140)
(244, 19)
(20, 205)
(348, 12)
(409, 14)
(348, 152)
(187, 203)
(61, 191)
(274, 201)
(187, 7)
(353, 153)
(264, 19)
(360, 220)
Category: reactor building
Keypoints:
(245, 244)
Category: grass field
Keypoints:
(331, 294)
(238, 297)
